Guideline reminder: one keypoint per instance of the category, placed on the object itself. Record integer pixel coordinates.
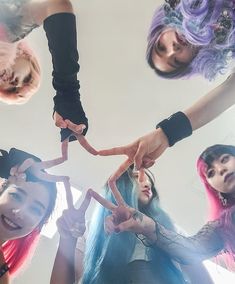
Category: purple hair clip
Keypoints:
(223, 26)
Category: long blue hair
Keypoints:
(107, 256)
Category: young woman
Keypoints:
(177, 49)
(27, 199)
(20, 71)
(216, 167)
(118, 258)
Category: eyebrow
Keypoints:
(35, 201)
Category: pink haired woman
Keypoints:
(19, 67)
(216, 167)
(27, 199)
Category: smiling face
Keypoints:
(171, 52)
(144, 190)
(221, 174)
(22, 208)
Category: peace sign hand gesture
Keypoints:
(72, 222)
(124, 218)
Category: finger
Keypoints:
(116, 193)
(86, 202)
(76, 128)
(124, 166)
(69, 195)
(122, 150)
(59, 121)
(124, 226)
(84, 143)
(109, 225)
(148, 164)
(141, 176)
(105, 203)
(138, 158)
(64, 149)
(25, 165)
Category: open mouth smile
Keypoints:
(9, 224)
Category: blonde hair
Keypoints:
(8, 54)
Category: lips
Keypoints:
(228, 177)
(9, 224)
(147, 192)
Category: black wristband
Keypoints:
(176, 127)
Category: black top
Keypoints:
(62, 41)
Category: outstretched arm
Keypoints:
(145, 150)
(71, 225)
(206, 243)
(69, 115)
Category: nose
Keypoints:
(222, 169)
(173, 49)
(14, 81)
(18, 213)
(146, 184)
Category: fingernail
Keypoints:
(117, 230)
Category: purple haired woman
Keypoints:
(186, 38)
(216, 167)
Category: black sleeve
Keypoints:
(62, 41)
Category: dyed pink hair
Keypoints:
(17, 251)
(8, 54)
(216, 208)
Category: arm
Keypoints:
(63, 269)
(62, 41)
(212, 104)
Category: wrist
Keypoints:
(176, 127)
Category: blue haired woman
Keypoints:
(118, 258)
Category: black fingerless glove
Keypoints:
(62, 41)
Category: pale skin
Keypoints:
(20, 73)
(145, 150)
(122, 218)
(17, 177)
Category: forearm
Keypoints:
(212, 104)
(63, 271)
(187, 250)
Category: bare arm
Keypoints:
(212, 104)
(40, 10)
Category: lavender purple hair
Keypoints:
(216, 208)
(196, 22)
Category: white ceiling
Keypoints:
(123, 100)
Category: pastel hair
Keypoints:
(8, 54)
(195, 21)
(101, 267)
(17, 252)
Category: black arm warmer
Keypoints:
(62, 41)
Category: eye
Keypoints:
(36, 211)
(210, 173)
(16, 196)
(160, 47)
(224, 159)
(27, 79)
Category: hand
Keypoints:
(77, 132)
(37, 169)
(143, 152)
(66, 123)
(72, 222)
(123, 217)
